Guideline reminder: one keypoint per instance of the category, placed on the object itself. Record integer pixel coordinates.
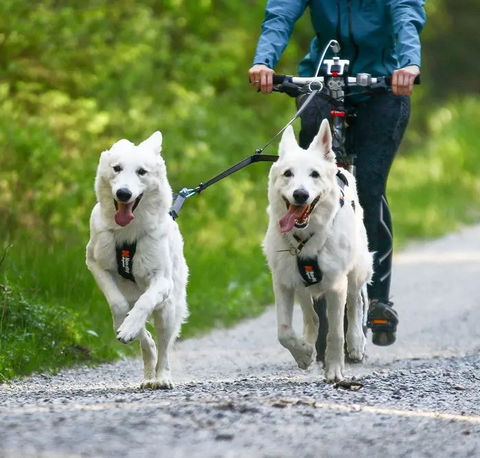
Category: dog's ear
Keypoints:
(154, 142)
(323, 141)
(288, 141)
(104, 157)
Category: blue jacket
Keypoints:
(377, 36)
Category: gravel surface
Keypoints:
(239, 394)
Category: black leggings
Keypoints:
(374, 137)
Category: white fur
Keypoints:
(338, 241)
(159, 266)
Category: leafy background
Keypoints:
(76, 77)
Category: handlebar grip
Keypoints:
(279, 79)
(388, 80)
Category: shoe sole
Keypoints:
(383, 323)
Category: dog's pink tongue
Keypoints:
(287, 221)
(124, 214)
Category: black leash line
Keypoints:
(185, 193)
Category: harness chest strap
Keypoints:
(125, 254)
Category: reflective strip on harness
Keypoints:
(125, 254)
(309, 270)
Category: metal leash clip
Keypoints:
(292, 250)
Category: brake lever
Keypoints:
(382, 86)
(291, 89)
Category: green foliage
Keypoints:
(46, 320)
(35, 336)
(435, 188)
(449, 43)
(77, 76)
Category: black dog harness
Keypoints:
(308, 267)
(125, 254)
(309, 270)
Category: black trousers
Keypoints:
(374, 137)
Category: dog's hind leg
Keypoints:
(310, 318)
(167, 326)
(356, 340)
(303, 352)
(149, 356)
(334, 356)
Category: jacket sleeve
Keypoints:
(277, 27)
(408, 19)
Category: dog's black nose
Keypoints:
(300, 196)
(124, 194)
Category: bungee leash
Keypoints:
(185, 193)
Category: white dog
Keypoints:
(135, 252)
(316, 245)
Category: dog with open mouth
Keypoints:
(316, 245)
(135, 252)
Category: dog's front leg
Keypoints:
(310, 317)
(156, 293)
(334, 356)
(107, 284)
(302, 351)
(120, 309)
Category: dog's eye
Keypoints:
(141, 172)
(117, 168)
(315, 174)
(288, 174)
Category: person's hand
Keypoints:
(261, 77)
(403, 78)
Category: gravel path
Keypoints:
(239, 394)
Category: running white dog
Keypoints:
(135, 252)
(316, 245)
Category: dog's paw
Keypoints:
(130, 329)
(161, 383)
(355, 356)
(333, 373)
(164, 383)
(356, 346)
(147, 384)
(304, 355)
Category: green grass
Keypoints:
(52, 314)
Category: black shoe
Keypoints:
(382, 320)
